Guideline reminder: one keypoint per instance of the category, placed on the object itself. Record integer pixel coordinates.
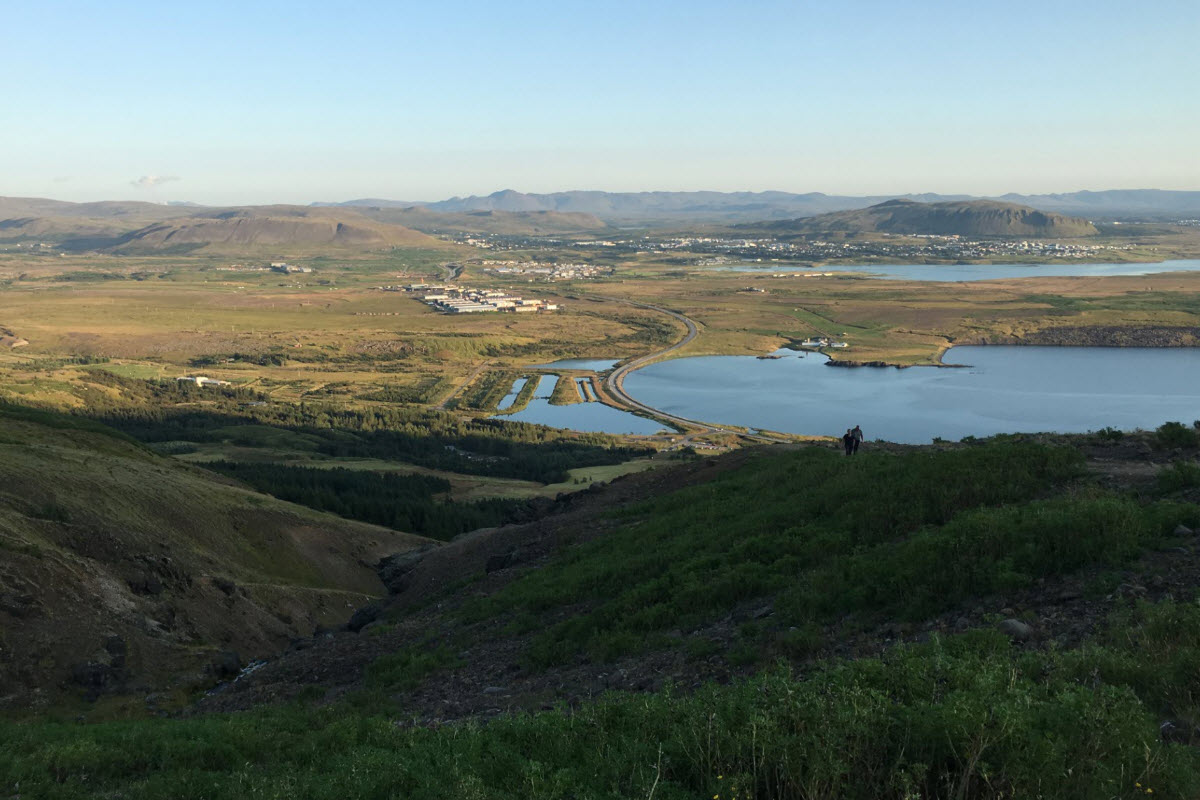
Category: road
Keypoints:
(615, 382)
(470, 379)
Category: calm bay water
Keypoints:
(984, 272)
(1005, 389)
(592, 417)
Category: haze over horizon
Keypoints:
(265, 102)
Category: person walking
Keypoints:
(848, 441)
(857, 433)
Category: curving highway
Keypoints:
(615, 382)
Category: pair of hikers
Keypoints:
(851, 439)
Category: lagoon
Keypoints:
(591, 417)
(592, 364)
(983, 272)
(1005, 389)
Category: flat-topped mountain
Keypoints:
(964, 218)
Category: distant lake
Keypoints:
(589, 417)
(983, 272)
(1006, 389)
(593, 364)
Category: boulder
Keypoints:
(1016, 630)
(116, 649)
(1179, 731)
(393, 569)
(146, 583)
(94, 677)
(365, 616)
(501, 561)
(1183, 530)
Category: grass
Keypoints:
(405, 669)
(966, 716)
(565, 392)
(862, 544)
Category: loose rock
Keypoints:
(1016, 630)
(365, 616)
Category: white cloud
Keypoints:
(150, 181)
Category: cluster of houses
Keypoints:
(274, 266)
(552, 271)
(822, 341)
(463, 300)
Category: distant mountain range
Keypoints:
(373, 224)
(726, 207)
(136, 227)
(962, 218)
(147, 228)
(271, 227)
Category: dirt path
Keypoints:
(470, 379)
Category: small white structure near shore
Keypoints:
(200, 380)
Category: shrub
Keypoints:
(1172, 435)
(1178, 476)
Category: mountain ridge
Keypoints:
(961, 218)
(715, 206)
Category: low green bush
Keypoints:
(962, 717)
(1179, 476)
(1171, 435)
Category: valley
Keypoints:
(253, 483)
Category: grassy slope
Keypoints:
(99, 536)
(818, 537)
(957, 716)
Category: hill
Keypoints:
(122, 570)
(271, 227)
(962, 218)
(149, 228)
(69, 231)
(674, 207)
(14, 207)
(530, 223)
(969, 621)
(1152, 204)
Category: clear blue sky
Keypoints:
(297, 101)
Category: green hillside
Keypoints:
(122, 570)
(1011, 618)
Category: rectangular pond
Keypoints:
(588, 417)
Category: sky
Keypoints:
(257, 102)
